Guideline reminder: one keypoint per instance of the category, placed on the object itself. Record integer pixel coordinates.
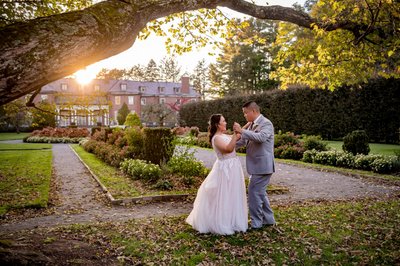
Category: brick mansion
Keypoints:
(98, 102)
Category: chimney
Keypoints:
(185, 85)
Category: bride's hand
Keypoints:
(238, 136)
(247, 125)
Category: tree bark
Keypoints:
(39, 51)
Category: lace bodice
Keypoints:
(220, 155)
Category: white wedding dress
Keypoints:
(220, 206)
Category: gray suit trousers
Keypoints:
(260, 210)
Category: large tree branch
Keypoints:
(39, 51)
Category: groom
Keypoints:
(258, 136)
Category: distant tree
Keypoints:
(132, 119)
(122, 114)
(44, 116)
(152, 71)
(245, 62)
(14, 114)
(200, 78)
(137, 72)
(169, 69)
(114, 73)
(159, 113)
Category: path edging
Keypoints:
(140, 199)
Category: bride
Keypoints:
(220, 206)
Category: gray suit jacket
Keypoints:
(259, 143)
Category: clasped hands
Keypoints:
(238, 129)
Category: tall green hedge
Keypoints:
(158, 144)
(373, 107)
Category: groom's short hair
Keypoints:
(252, 105)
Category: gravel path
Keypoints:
(82, 201)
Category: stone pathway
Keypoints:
(82, 201)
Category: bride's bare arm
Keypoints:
(225, 147)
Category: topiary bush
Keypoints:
(314, 143)
(356, 142)
(158, 144)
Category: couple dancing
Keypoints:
(220, 206)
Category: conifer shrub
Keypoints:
(158, 144)
(356, 142)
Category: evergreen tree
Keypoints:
(152, 71)
(122, 114)
(169, 69)
(200, 78)
(132, 119)
(245, 62)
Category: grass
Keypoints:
(25, 175)
(118, 184)
(376, 148)
(13, 136)
(121, 186)
(327, 233)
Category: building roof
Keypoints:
(114, 87)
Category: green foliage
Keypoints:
(356, 142)
(330, 59)
(372, 106)
(122, 114)
(15, 11)
(185, 163)
(140, 169)
(135, 137)
(14, 115)
(159, 113)
(314, 142)
(383, 164)
(158, 145)
(245, 62)
(132, 119)
(288, 146)
(45, 116)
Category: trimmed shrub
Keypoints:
(356, 142)
(314, 143)
(287, 138)
(309, 156)
(345, 159)
(140, 169)
(133, 120)
(134, 137)
(158, 145)
(364, 162)
(326, 157)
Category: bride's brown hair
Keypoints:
(213, 125)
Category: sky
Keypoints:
(153, 48)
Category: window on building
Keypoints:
(177, 90)
(117, 100)
(123, 86)
(142, 88)
(193, 100)
(162, 100)
(130, 100)
(64, 86)
(143, 101)
(178, 101)
(43, 97)
(161, 89)
(96, 87)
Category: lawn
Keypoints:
(376, 148)
(360, 232)
(25, 175)
(13, 136)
